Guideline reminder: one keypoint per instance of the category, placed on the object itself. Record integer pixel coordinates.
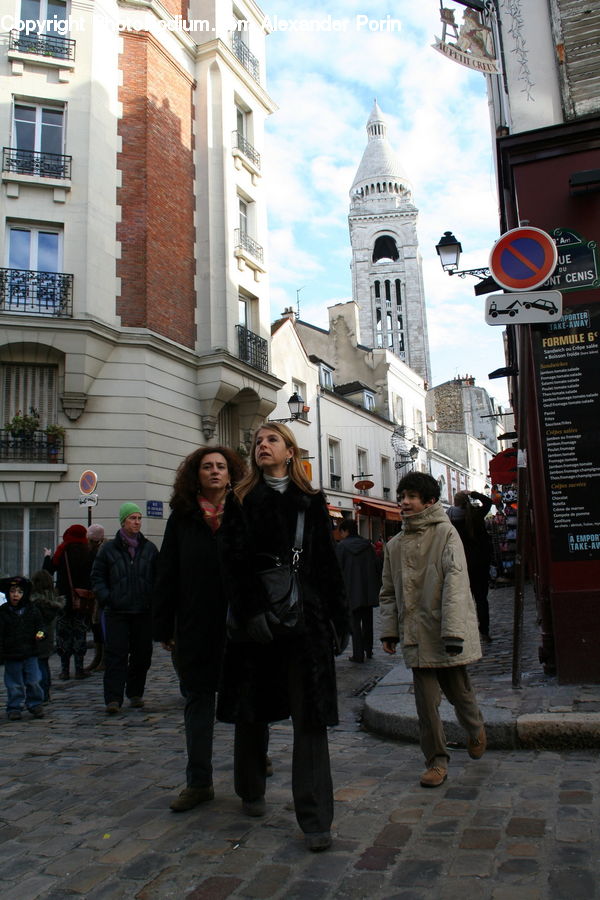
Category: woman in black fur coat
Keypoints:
(272, 677)
(202, 561)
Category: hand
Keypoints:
(168, 645)
(258, 630)
(47, 551)
(454, 647)
(389, 645)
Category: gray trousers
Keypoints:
(199, 717)
(455, 684)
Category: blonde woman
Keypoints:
(279, 673)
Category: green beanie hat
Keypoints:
(128, 509)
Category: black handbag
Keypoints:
(282, 585)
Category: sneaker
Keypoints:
(191, 797)
(113, 708)
(136, 702)
(254, 807)
(14, 715)
(318, 840)
(37, 712)
(476, 748)
(433, 777)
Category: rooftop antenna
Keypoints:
(298, 300)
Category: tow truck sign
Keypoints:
(523, 309)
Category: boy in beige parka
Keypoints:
(426, 605)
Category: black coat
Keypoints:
(359, 565)
(80, 567)
(197, 573)
(123, 584)
(18, 631)
(254, 686)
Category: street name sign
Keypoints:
(523, 259)
(523, 309)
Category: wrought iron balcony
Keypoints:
(335, 481)
(32, 446)
(244, 242)
(246, 148)
(42, 44)
(253, 349)
(31, 162)
(39, 293)
(247, 59)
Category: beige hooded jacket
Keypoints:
(425, 596)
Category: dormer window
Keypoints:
(326, 377)
(369, 401)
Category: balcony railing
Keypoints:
(247, 59)
(31, 162)
(42, 44)
(253, 349)
(246, 148)
(33, 446)
(244, 242)
(39, 293)
(335, 482)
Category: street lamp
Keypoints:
(406, 458)
(296, 405)
(449, 249)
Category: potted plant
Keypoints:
(23, 425)
(55, 435)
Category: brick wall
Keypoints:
(156, 197)
(449, 411)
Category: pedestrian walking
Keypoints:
(468, 517)
(198, 566)
(285, 669)
(72, 564)
(426, 605)
(21, 629)
(358, 562)
(45, 598)
(123, 576)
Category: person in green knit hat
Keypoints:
(123, 577)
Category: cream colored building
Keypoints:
(134, 307)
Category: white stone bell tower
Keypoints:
(387, 281)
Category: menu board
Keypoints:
(566, 358)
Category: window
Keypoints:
(399, 410)
(24, 385)
(33, 247)
(385, 475)
(326, 377)
(419, 426)
(51, 14)
(243, 213)
(24, 532)
(298, 387)
(335, 477)
(38, 141)
(369, 401)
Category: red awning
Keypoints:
(503, 467)
(381, 508)
(334, 512)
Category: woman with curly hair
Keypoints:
(195, 576)
(273, 674)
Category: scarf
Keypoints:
(132, 542)
(213, 515)
(278, 484)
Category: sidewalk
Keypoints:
(541, 714)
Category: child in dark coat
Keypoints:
(21, 629)
(45, 598)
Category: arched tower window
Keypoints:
(385, 248)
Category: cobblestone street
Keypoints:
(84, 811)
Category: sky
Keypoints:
(326, 63)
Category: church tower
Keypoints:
(387, 281)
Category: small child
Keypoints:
(21, 629)
(44, 597)
(426, 605)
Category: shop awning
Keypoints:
(381, 508)
(334, 512)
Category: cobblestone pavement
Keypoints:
(84, 812)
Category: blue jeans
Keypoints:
(22, 681)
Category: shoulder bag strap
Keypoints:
(298, 539)
(66, 556)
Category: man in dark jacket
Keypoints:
(123, 580)
(358, 562)
(21, 630)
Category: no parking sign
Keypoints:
(523, 259)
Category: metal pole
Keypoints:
(524, 358)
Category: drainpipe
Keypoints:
(319, 438)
